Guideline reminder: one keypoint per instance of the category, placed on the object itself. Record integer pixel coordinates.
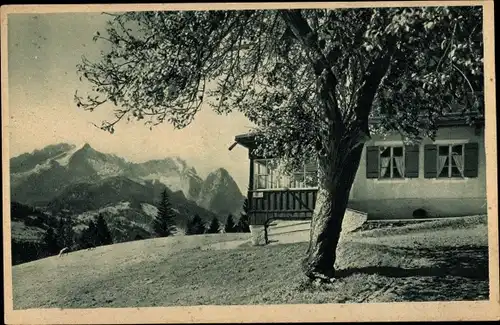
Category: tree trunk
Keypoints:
(331, 203)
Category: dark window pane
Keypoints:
(453, 162)
(444, 150)
(444, 172)
(385, 151)
(457, 150)
(455, 172)
(397, 151)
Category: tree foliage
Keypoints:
(195, 226)
(65, 232)
(405, 65)
(230, 226)
(244, 222)
(50, 240)
(164, 222)
(214, 227)
(103, 233)
(88, 236)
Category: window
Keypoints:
(391, 162)
(269, 174)
(458, 160)
(450, 161)
(261, 174)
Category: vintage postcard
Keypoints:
(257, 162)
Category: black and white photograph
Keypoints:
(217, 162)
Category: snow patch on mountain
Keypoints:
(149, 209)
(104, 168)
(180, 163)
(174, 182)
(63, 160)
(36, 170)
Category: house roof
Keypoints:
(247, 140)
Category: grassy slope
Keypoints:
(422, 264)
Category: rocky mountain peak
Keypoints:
(86, 146)
(87, 149)
(66, 164)
(220, 172)
(220, 193)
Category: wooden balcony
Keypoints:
(285, 204)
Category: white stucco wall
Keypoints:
(439, 197)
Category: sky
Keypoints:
(43, 51)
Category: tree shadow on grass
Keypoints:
(471, 263)
(479, 273)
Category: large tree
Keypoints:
(308, 79)
(164, 222)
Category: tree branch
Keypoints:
(372, 78)
(327, 81)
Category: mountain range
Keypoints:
(80, 181)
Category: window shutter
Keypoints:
(430, 161)
(372, 162)
(411, 161)
(471, 159)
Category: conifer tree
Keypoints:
(103, 233)
(50, 241)
(65, 233)
(244, 222)
(230, 225)
(195, 226)
(214, 227)
(88, 237)
(164, 223)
